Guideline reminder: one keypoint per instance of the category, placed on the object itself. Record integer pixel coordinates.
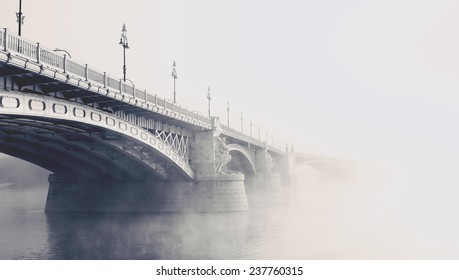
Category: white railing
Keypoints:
(32, 51)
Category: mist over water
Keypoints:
(374, 212)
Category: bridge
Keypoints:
(114, 147)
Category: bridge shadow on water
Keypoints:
(146, 236)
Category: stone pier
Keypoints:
(222, 193)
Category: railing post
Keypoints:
(121, 87)
(146, 96)
(105, 79)
(38, 53)
(65, 63)
(133, 91)
(156, 99)
(5, 41)
(86, 72)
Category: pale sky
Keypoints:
(368, 79)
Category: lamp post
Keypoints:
(125, 45)
(61, 50)
(20, 18)
(209, 97)
(227, 113)
(133, 86)
(174, 75)
(132, 83)
(66, 53)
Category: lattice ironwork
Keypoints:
(179, 143)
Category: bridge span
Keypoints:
(113, 147)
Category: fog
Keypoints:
(375, 211)
(19, 174)
(372, 82)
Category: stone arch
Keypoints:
(245, 155)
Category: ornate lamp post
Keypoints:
(125, 45)
(61, 50)
(20, 17)
(209, 97)
(174, 75)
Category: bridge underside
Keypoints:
(79, 151)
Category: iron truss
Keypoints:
(179, 143)
(173, 137)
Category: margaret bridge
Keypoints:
(114, 147)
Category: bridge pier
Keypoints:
(287, 166)
(213, 194)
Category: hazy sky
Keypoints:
(370, 79)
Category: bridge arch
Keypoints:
(321, 163)
(241, 156)
(327, 167)
(96, 142)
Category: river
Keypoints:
(316, 219)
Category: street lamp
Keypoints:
(125, 45)
(61, 50)
(20, 17)
(132, 83)
(133, 87)
(174, 75)
(209, 97)
(228, 111)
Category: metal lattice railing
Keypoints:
(178, 142)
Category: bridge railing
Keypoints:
(250, 139)
(32, 51)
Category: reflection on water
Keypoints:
(146, 236)
(366, 219)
